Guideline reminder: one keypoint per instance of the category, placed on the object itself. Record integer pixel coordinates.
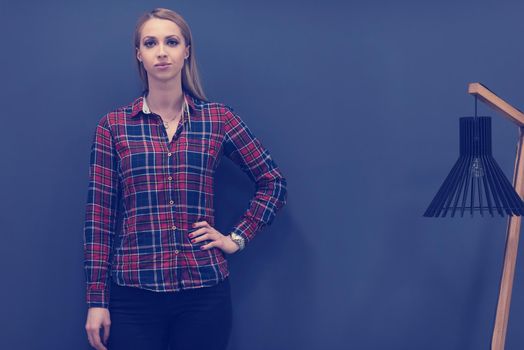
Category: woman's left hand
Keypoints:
(218, 240)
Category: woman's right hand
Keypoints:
(98, 317)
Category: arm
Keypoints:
(243, 148)
(100, 220)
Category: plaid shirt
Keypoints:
(145, 193)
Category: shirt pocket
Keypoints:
(202, 153)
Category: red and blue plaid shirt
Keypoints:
(145, 193)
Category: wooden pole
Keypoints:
(513, 230)
(510, 259)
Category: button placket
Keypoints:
(171, 201)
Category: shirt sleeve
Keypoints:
(100, 220)
(244, 149)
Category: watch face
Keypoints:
(238, 240)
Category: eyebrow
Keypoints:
(167, 37)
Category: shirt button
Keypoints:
(170, 178)
(173, 227)
(171, 202)
(176, 252)
(169, 154)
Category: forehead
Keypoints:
(160, 28)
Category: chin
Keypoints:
(164, 77)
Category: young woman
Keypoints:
(155, 267)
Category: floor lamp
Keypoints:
(513, 230)
(477, 184)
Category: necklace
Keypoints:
(166, 122)
(184, 107)
(181, 114)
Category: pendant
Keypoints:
(166, 125)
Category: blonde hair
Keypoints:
(190, 77)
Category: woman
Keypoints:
(155, 266)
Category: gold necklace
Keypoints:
(166, 122)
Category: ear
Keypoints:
(187, 51)
(138, 55)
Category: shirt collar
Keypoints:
(145, 107)
(140, 105)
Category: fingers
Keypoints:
(198, 232)
(90, 339)
(205, 232)
(210, 245)
(94, 338)
(107, 327)
(201, 224)
(211, 236)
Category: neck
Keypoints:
(165, 96)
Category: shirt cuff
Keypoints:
(246, 229)
(97, 295)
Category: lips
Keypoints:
(162, 64)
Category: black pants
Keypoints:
(193, 319)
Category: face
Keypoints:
(162, 50)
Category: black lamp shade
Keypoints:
(476, 183)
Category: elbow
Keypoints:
(282, 191)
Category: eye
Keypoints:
(172, 42)
(149, 43)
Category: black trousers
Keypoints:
(193, 319)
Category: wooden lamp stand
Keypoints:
(513, 230)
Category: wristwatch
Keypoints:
(238, 240)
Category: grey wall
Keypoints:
(358, 101)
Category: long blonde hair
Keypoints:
(190, 77)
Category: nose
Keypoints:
(161, 52)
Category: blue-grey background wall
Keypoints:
(358, 102)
